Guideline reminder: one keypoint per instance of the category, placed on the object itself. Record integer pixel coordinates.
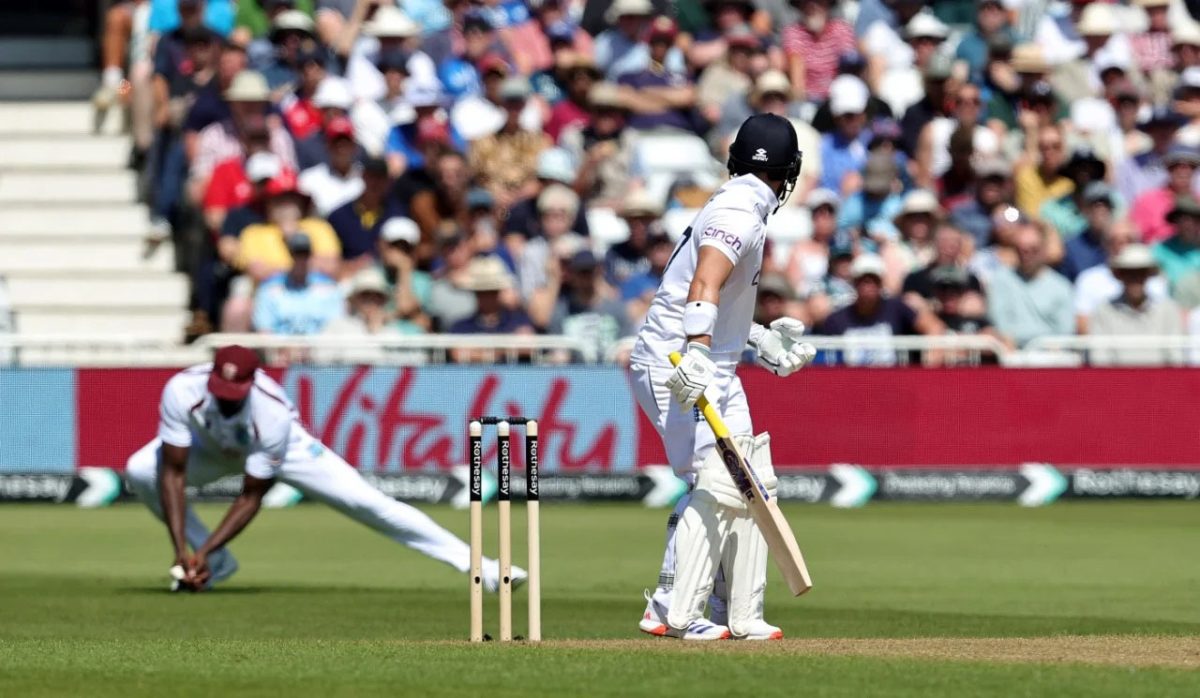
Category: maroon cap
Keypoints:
(339, 127)
(232, 372)
(662, 27)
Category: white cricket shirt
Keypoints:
(735, 222)
(261, 435)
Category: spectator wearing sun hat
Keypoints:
(912, 247)
(602, 149)
(1097, 285)
(1135, 313)
(370, 313)
(620, 49)
(628, 258)
(249, 100)
(388, 29)
(292, 34)
(488, 278)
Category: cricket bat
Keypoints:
(763, 507)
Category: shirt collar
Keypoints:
(763, 198)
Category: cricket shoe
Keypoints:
(654, 622)
(491, 576)
(759, 629)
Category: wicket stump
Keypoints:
(504, 507)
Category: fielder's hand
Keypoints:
(781, 349)
(693, 374)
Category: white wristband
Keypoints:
(699, 318)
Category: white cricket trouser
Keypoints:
(688, 440)
(324, 477)
(686, 436)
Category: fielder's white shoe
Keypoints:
(491, 576)
(759, 628)
(654, 622)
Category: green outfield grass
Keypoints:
(322, 606)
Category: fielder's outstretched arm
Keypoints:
(240, 514)
(171, 482)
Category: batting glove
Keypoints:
(781, 349)
(693, 374)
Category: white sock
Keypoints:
(112, 76)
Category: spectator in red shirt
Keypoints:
(1150, 210)
(573, 111)
(813, 46)
(228, 188)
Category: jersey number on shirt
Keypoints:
(687, 234)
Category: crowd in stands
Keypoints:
(1009, 168)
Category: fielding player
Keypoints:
(705, 307)
(228, 417)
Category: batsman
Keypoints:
(705, 308)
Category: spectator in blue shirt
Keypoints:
(844, 151)
(300, 301)
(871, 208)
(993, 188)
(406, 142)
(991, 21)
(167, 15)
(1086, 250)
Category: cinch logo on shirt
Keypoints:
(729, 239)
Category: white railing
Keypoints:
(108, 350)
(945, 350)
(949, 350)
(1122, 350)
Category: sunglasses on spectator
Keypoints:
(1050, 146)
